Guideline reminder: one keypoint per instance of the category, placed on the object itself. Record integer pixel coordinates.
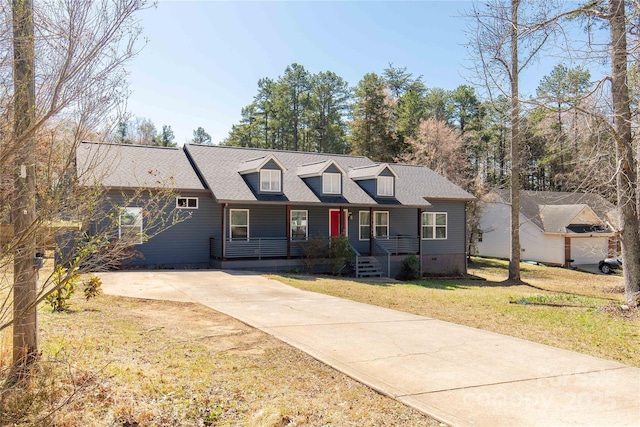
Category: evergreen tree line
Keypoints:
(394, 116)
(142, 131)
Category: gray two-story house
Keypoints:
(255, 209)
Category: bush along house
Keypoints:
(269, 210)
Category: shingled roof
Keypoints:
(556, 211)
(219, 166)
(135, 166)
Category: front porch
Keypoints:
(383, 258)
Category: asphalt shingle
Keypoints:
(537, 206)
(135, 166)
(219, 166)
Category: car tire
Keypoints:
(605, 268)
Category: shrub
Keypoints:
(92, 287)
(410, 268)
(314, 251)
(339, 252)
(65, 283)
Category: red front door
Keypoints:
(334, 223)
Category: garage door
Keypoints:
(588, 250)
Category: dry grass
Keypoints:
(564, 308)
(116, 361)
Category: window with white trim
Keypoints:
(364, 225)
(299, 229)
(384, 186)
(331, 183)
(130, 224)
(434, 225)
(270, 180)
(381, 224)
(239, 224)
(187, 202)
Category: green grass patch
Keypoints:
(564, 308)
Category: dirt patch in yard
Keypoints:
(118, 361)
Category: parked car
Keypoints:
(607, 265)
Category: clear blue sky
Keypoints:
(203, 59)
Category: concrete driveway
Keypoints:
(460, 375)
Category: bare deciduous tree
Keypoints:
(440, 148)
(506, 37)
(65, 81)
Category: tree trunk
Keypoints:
(626, 178)
(514, 261)
(25, 338)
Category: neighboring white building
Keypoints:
(555, 227)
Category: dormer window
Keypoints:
(384, 186)
(331, 183)
(270, 180)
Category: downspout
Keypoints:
(370, 230)
(223, 225)
(468, 235)
(420, 238)
(288, 228)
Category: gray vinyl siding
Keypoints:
(269, 221)
(265, 221)
(271, 165)
(184, 243)
(455, 243)
(368, 185)
(403, 222)
(315, 184)
(253, 179)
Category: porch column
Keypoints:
(370, 230)
(288, 228)
(342, 222)
(567, 251)
(223, 225)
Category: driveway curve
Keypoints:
(457, 374)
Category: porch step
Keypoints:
(368, 267)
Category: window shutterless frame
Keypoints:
(331, 183)
(271, 180)
(381, 224)
(364, 226)
(384, 186)
(187, 202)
(434, 225)
(299, 225)
(239, 224)
(130, 224)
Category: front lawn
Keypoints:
(563, 308)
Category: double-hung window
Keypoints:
(434, 225)
(130, 225)
(381, 224)
(270, 180)
(239, 224)
(331, 183)
(385, 186)
(299, 229)
(364, 225)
